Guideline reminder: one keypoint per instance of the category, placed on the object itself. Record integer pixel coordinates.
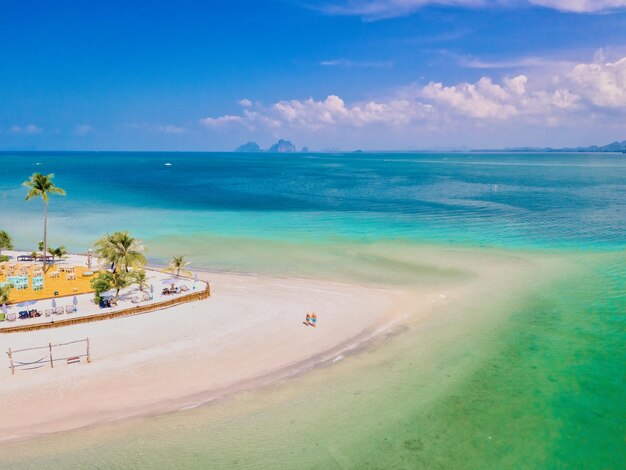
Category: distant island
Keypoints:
(282, 146)
(612, 147)
(248, 147)
(286, 146)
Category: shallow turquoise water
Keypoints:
(538, 200)
(545, 387)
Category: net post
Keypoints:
(50, 349)
(88, 351)
(10, 354)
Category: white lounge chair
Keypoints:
(69, 309)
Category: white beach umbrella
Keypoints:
(54, 303)
(4, 308)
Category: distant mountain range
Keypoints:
(612, 147)
(282, 146)
(285, 146)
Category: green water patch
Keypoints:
(553, 396)
(395, 263)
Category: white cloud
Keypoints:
(221, 121)
(604, 85)
(382, 9)
(30, 129)
(581, 6)
(314, 115)
(483, 99)
(536, 98)
(246, 103)
(356, 63)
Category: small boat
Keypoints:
(168, 164)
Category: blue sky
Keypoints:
(343, 74)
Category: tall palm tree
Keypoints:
(177, 265)
(42, 186)
(121, 249)
(6, 242)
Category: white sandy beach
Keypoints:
(249, 332)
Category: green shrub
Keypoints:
(101, 283)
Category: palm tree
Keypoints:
(119, 280)
(122, 250)
(141, 279)
(177, 265)
(4, 293)
(42, 186)
(59, 252)
(6, 242)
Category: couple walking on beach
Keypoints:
(310, 320)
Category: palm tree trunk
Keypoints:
(45, 240)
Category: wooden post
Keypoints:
(88, 355)
(11, 361)
(50, 348)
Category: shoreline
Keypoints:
(153, 390)
(248, 335)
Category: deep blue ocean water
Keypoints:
(575, 201)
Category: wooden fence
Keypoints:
(138, 310)
(49, 356)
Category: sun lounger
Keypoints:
(49, 312)
(23, 314)
(59, 310)
(11, 316)
(69, 309)
(184, 288)
(145, 297)
(134, 299)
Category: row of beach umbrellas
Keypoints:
(31, 303)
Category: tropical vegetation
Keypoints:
(6, 242)
(177, 266)
(100, 284)
(5, 292)
(41, 186)
(121, 250)
(140, 278)
(57, 253)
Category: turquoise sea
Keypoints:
(543, 387)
